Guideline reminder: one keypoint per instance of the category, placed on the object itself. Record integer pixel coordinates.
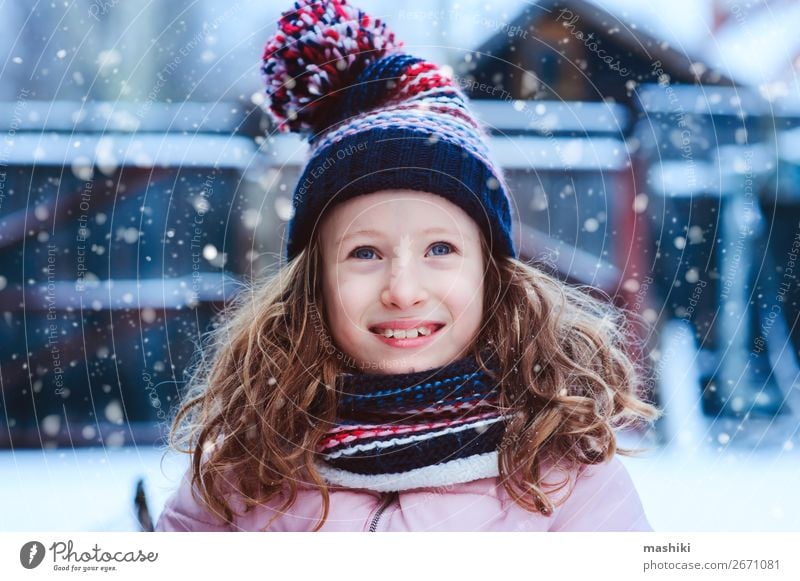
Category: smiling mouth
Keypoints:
(422, 331)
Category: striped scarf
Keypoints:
(404, 431)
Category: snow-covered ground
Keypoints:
(710, 491)
(92, 489)
(85, 489)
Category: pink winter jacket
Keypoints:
(603, 499)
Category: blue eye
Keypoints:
(360, 252)
(368, 253)
(445, 245)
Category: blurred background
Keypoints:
(652, 149)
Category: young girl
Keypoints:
(404, 370)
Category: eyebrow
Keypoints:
(378, 234)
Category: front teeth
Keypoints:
(406, 333)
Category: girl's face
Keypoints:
(402, 280)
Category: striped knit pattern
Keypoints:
(376, 119)
(391, 427)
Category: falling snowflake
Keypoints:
(403, 251)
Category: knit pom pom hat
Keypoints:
(376, 119)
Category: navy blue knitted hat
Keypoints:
(376, 119)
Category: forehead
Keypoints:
(405, 210)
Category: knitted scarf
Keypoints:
(404, 431)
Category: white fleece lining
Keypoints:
(453, 472)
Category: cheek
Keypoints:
(471, 307)
(465, 297)
(345, 303)
(333, 304)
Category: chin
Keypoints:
(411, 364)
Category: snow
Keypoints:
(711, 491)
(91, 489)
(683, 24)
(143, 150)
(84, 489)
(523, 152)
(702, 478)
(466, 24)
(756, 49)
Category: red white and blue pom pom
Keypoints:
(320, 48)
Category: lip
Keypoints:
(403, 324)
(419, 341)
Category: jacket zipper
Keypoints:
(373, 526)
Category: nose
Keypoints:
(405, 288)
